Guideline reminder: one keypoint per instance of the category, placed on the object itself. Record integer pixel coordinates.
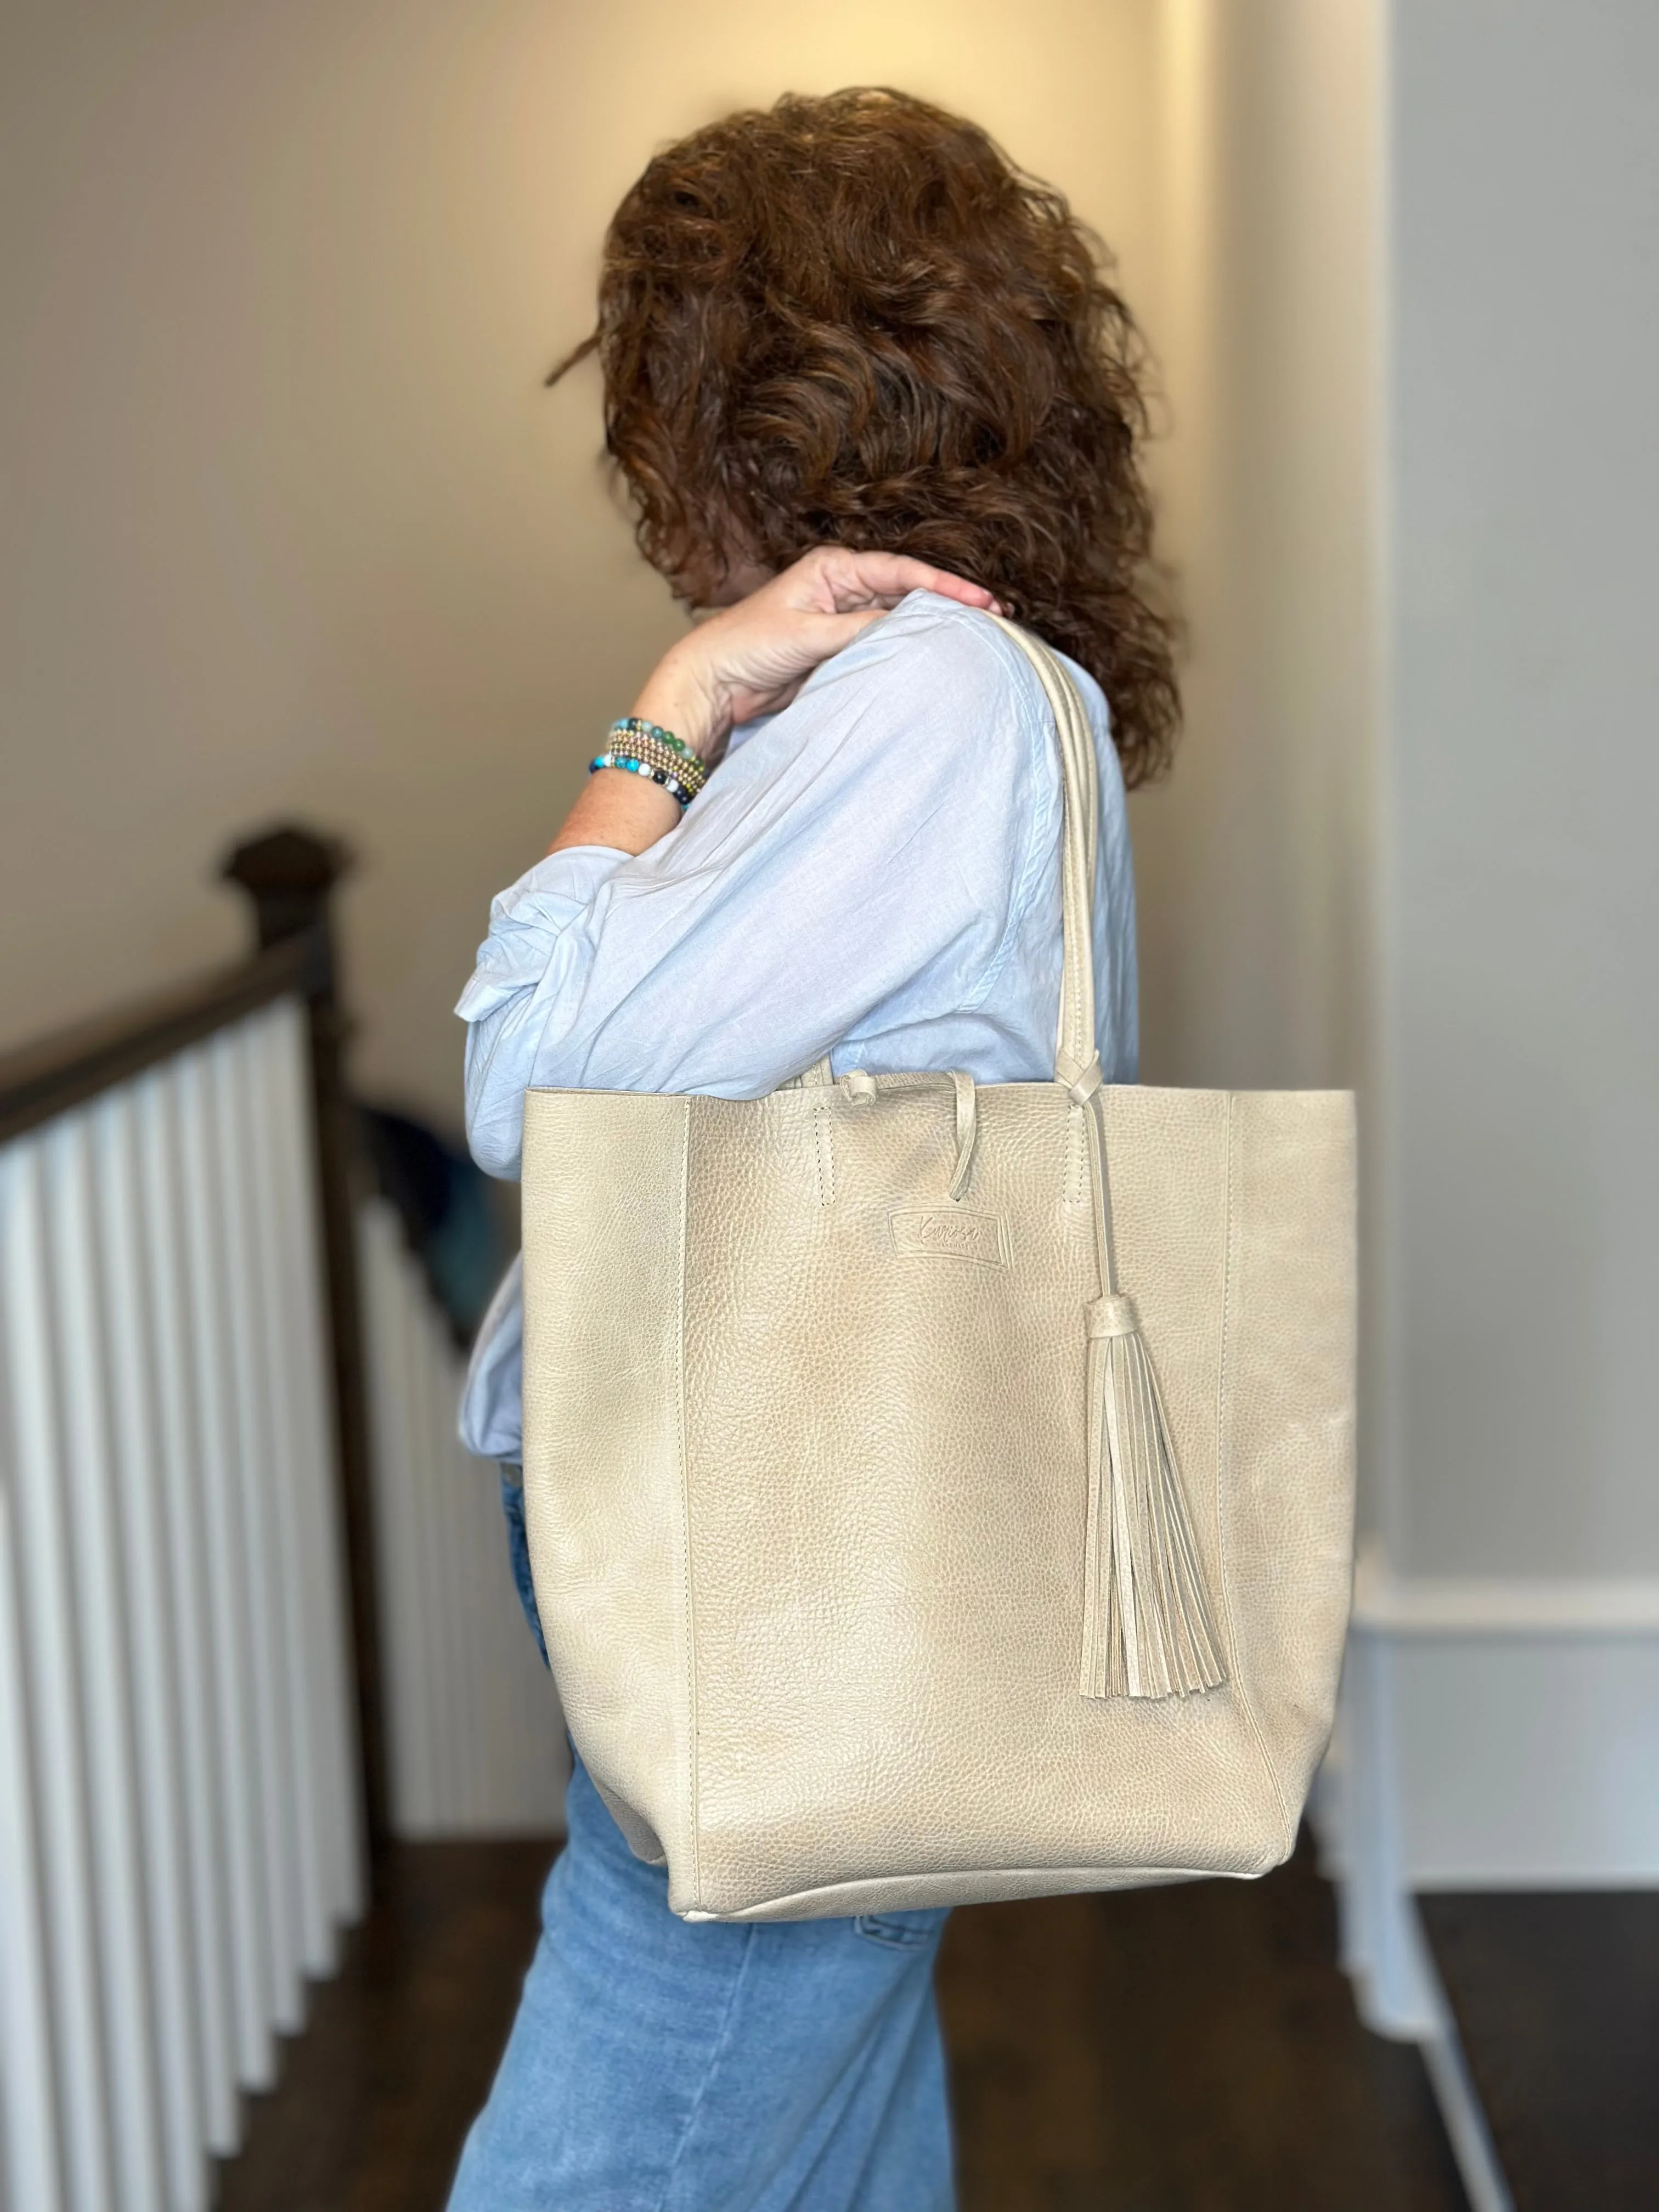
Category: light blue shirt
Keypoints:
(873, 872)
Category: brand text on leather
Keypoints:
(955, 1232)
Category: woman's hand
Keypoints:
(753, 658)
(750, 659)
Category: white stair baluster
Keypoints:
(287, 1092)
(31, 2156)
(153, 1613)
(252, 1979)
(99, 1570)
(162, 1117)
(257, 1474)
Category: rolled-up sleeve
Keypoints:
(870, 838)
(534, 948)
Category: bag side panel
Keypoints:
(604, 1245)
(1287, 1428)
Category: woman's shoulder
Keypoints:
(927, 638)
(961, 660)
(930, 690)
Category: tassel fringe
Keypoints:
(1147, 1630)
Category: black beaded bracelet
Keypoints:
(691, 773)
(634, 766)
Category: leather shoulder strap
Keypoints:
(1075, 1052)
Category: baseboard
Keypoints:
(1490, 1735)
(1500, 1734)
(1463, 1606)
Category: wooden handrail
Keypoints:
(48, 1076)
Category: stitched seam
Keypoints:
(1077, 1175)
(693, 1819)
(1228, 1277)
(826, 1157)
(723, 2037)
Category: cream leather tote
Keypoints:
(939, 1492)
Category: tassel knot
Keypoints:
(1114, 1316)
(1147, 1627)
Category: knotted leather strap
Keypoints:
(1077, 1060)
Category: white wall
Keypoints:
(1523, 785)
(290, 524)
(1500, 1722)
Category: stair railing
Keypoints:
(192, 1741)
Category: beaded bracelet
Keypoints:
(692, 775)
(634, 726)
(670, 782)
(657, 750)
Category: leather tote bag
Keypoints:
(940, 1492)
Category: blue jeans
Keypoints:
(518, 1551)
(658, 2067)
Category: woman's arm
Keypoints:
(749, 659)
(880, 836)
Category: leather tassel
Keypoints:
(1147, 1627)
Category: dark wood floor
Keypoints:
(1190, 2050)
(1187, 2049)
(375, 2097)
(1556, 1998)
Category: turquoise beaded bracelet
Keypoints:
(644, 748)
(670, 782)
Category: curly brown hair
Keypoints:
(851, 320)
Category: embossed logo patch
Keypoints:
(952, 1232)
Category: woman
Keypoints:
(851, 357)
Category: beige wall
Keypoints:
(290, 526)
(1254, 859)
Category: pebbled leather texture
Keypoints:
(808, 1493)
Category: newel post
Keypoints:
(289, 874)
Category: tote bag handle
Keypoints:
(1074, 1045)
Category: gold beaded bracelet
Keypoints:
(636, 725)
(685, 767)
